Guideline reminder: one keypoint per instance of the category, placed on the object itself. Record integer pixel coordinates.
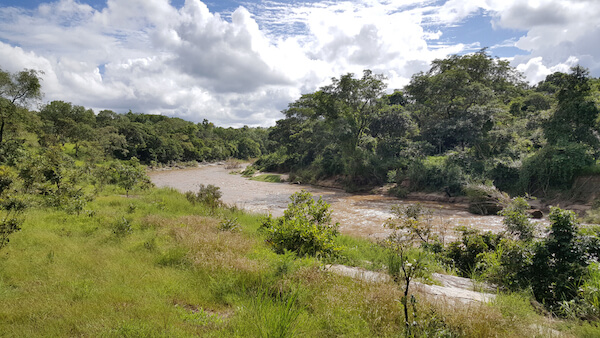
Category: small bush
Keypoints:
(208, 195)
(516, 219)
(122, 227)
(229, 224)
(305, 227)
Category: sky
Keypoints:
(239, 63)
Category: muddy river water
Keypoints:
(361, 215)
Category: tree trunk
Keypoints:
(2, 131)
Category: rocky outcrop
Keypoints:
(536, 213)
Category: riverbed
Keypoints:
(358, 214)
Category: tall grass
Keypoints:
(175, 274)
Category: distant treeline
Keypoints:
(108, 135)
(470, 118)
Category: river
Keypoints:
(358, 215)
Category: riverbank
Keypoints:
(362, 215)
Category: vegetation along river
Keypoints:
(358, 214)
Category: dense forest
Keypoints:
(470, 118)
(152, 139)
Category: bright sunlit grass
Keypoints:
(153, 264)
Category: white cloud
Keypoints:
(558, 32)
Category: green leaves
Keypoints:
(305, 227)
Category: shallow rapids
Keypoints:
(360, 215)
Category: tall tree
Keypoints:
(455, 102)
(17, 90)
(576, 113)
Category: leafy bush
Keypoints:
(208, 195)
(560, 260)
(466, 254)
(305, 227)
(554, 166)
(516, 219)
(435, 173)
(485, 199)
(129, 174)
(508, 265)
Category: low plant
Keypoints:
(272, 178)
(208, 195)
(516, 219)
(305, 227)
(122, 227)
(229, 224)
(249, 171)
(274, 315)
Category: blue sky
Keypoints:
(241, 62)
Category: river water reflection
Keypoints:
(361, 215)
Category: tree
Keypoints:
(574, 118)
(329, 129)
(69, 123)
(17, 90)
(455, 102)
(130, 174)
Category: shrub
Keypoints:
(436, 173)
(305, 227)
(208, 195)
(466, 254)
(560, 260)
(129, 175)
(554, 166)
(122, 227)
(516, 219)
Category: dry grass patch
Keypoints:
(209, 248)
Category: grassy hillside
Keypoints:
(154, 265)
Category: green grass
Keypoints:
(272, 178)
(175, 274)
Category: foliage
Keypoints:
(486, 199)
(305, 227)
(16, 90)
(508, 265)
(516, 219)
(129, 174)
(208, 195)
(554, 166)
(575, 115)
(457, 99)
(467, 253)
(435, 173)
(559, 261)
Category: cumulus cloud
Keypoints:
(243, 67)
(558, 32)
